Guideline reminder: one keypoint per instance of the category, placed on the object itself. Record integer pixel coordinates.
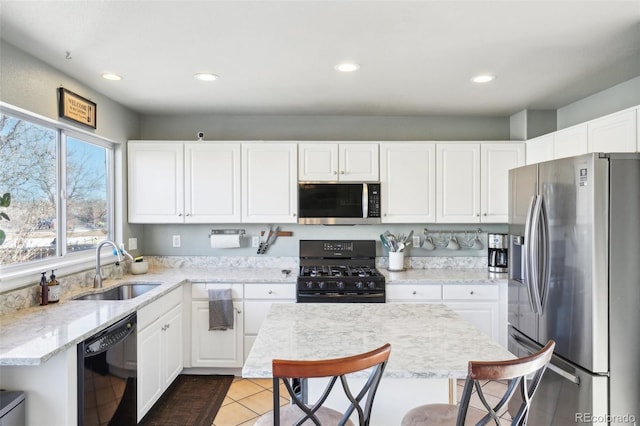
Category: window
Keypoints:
(61, 189)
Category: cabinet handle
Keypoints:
(335, 172)
(414, 292)
(238, 311)
(270, 292)
(293, 214)
(471, 292)
(188, 214)
(342, 172)
(179, 214)
(485, 214)
(477, 214)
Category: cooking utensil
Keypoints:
(263, 238)
(271, 239)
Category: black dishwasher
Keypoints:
(106, 390)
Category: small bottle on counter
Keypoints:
(54, 288)
(44, 297)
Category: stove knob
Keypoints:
(321, 284)
(359, 284)
(340, 285)
(309, 284)
(371, 285)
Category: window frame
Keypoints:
(16, 276)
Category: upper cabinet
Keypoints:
(472, 181)
(408, 182)
(614, 133)
(184, 182)
(346, 162)
(269, 182)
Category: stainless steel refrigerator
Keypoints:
(574, 277)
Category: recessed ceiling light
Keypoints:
(205, 76)
(483, 78)
(347, 67)
(111, 76)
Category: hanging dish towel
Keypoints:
(220, 309)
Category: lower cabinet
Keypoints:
(258, 299)
(216, 348)
(483, 305)
(159, 344)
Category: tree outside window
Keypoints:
(37, 162)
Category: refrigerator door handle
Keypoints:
(564, 374)
(558, 370)
(544, 235)
(526, 264)
(534, 285)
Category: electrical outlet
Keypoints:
(133, 244)
(416, 241)
(176, 240)
(255, 241)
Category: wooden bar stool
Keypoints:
(298, 412)
(525, 372)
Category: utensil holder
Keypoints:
(396, 261)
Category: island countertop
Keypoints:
(427, 340)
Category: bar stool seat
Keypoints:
(523, 374)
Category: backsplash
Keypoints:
(27, 297)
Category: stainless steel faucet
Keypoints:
(97, 280)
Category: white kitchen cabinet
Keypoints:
(458, 183)
(614, 133)
(346, 162)
(473, 181)
(570, 142)
(183, 182)
(258, 299)
(269, 182)
(156, 182)
(540, 149)
(480, 304)
(408, 182)
(414, 293)
(495, 161)
(216, 348)
(159, 342)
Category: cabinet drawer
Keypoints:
(470, 292)
(201, 290)
(151, 312)
(270, 291)
(417, 292)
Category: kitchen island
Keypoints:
(431, 346)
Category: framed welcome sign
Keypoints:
(76, 108)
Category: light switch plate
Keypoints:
(416, 241)
(133, 244)
(176, 240)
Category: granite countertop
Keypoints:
(32, 336)
(427, 340)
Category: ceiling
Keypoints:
(278, 57)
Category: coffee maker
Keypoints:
(498, 253)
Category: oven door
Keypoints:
(337, 203)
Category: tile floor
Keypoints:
(248, 399)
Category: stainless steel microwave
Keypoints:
(338, 203)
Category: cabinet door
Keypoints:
(458, 183)
(172, 344)
(540, 149)
(496, 160)
(216, 348)
(358, 162)
(212, 183)
(483, 315)
(156, 182)
(408, 179)
(615, 133)
(570, 142)
(269, 183)
(150, 367)
(317, 162)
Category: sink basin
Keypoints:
(122, 292)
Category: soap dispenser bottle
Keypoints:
(44, 300)
(54, 288)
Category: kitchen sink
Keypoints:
(123, 291)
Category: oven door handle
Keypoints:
(339, 295)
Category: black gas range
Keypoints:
(339, 271)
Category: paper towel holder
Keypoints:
(240, 232)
